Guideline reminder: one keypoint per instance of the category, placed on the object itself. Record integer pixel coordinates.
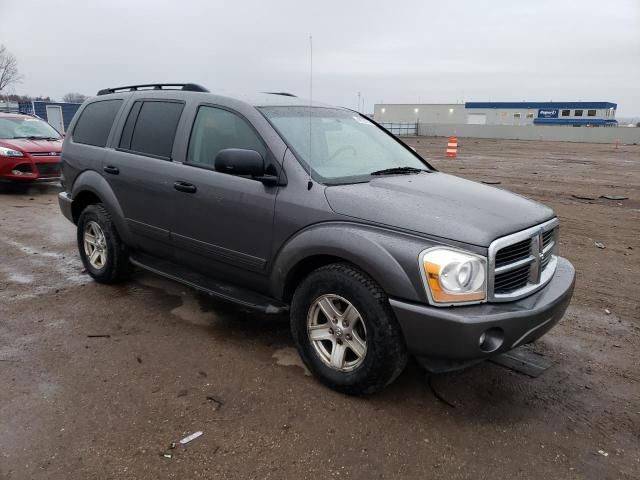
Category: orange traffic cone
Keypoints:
(452, 147)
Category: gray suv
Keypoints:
(280, 206)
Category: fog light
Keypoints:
(491, 340)
(19, 172)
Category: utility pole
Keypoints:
(358, 101)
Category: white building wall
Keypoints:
(450, 113)
(420, 113)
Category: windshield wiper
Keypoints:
(398, 170)
(33, 137)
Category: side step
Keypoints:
(217, 289)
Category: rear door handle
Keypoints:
(185, 187)
(112, 170)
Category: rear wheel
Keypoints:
(101, 249)
(345, 330)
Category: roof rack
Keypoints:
(284, 94)
(186, 87)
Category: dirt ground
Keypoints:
(168, 362)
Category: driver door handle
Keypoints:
(185, 187)
(112, 170)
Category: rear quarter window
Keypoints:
(95, 122)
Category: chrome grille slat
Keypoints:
(514, 265)
(44, 154)
(507, 260)
(521, 263)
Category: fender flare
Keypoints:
(91, 181)
(364, 246)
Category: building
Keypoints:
(500, 113)
(57, 114)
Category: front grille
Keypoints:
(513, 253)
(521, 263)
(49, 168)
(44, 154)
(513, 279)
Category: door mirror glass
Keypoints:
(238, 161)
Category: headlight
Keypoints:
(9, 152)
(453, 276)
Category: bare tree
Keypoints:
(74, 97)
(9, 74)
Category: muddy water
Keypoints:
(170, 362)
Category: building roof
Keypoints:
(524, 105)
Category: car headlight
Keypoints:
(453, 276)
(10, 152)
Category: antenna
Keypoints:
(310, 183)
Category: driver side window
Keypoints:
(216, 129)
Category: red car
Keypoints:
(29, 149)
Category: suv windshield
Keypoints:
(26, 127)
(341, 146)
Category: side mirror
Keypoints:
(238, 161)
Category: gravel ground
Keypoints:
(168, 362)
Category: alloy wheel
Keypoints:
(337, 332)
(95, 245)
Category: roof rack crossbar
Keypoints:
(284, 94)
(187, 87)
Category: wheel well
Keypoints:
(82, 200)
(305, 267)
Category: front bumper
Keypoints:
(453, 334)
(32, 169)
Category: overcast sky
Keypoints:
(397, 52)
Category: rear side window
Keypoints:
(216, 129)
(95, 122)
(150, 128)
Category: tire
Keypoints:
(385, 355)
(114, 267)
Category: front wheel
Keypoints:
(101, 249)
(345, 330)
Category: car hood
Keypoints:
(437, 204)
(32, 146)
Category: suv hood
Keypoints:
(32, 146)
(437, 204)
